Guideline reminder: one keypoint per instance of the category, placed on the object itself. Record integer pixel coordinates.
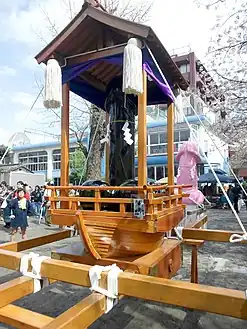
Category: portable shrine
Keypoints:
(121, 67)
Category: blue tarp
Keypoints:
(158, 94)
(209, 178)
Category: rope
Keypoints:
(36, 261)
(112, 283)
(211, 167)
(25, 118)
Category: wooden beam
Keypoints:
(22, 318)
(93, 81)
(209, 235)
(65, 137)
(15, 289)
(82, 315)
(142, 134)
(96, 54)
(170, 144)
(199, 297)
(200, 222)
(107, 155)
(48, 51)
(35, 242)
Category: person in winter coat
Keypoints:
(7, 207)
(235, 193)
(20, 207)
(36, 199)
(21, 185)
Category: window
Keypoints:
(184, 68)
(56, 157)
(157, 112)
(154, 139)
(176, 136)
(157, 143)
(159, 172)
(184, 135)
(151, 172)
(158, 149)
(188, 111)
(34, 161)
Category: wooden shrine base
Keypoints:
(163, 262)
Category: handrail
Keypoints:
(117, 188)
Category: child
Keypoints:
(20, 207)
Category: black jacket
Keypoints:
(36, 196)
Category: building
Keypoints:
(43, 158)
(194, 72)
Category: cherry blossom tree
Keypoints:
(227, 63)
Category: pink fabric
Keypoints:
(188, 157)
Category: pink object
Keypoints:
(188, 157)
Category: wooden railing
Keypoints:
(156, 198)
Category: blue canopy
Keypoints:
(158, 93)
(209, 178)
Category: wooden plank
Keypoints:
(35, 242)
(90, 199)
(101, 188)
(142, 133)
(22, 318)
(200, 222)
(205, 298)
(65, 137)
(170, 144)
(209, 235)
(15, 289)
(97, 54)
(82, 315)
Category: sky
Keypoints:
(25, 31)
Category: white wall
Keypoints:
(50, 172)
(214, 151)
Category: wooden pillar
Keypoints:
(170, 143)
(194, 265)
(65, 137)
(142, 134)
(107, 155)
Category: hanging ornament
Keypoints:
(106, 139)
(127, 135)
(53, 85)
(132, 68)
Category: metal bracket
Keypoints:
(139, 208)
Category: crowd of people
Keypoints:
(237, 196)
(20, 202)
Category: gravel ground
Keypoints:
(222, 265)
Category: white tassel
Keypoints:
(53, 85)
(132, 68)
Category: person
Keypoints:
(235, 195)
(47, 194)
(36, 199)
(21, 185)
(245, 197)
(7, 208)
(3, 195)
(20, 207)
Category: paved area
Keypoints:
(223, 265)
